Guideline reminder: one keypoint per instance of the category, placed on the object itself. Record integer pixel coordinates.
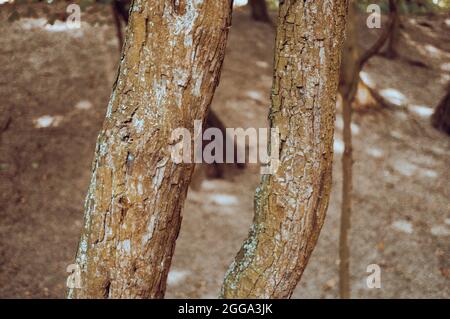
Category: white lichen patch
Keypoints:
(138, 124)
(125, 246)
(149, 231)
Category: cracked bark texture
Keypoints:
(290, 205)
(169, 70)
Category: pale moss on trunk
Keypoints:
(291, 204)
(169, 70)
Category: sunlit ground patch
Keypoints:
(338, 146)
(440, 230)
(421, 110)
(175, 277)
(224, 199)
(403, 226)
(394, 96)
(47, 121)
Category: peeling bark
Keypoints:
(171, 65)
(291, 204)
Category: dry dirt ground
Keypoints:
(54, 88)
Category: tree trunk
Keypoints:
(290, 204)
(349, 78)
(391, 51)
(214, 170)
(172, 58)
(352, 64)
(441, 116)
(259, 11)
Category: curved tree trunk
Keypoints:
(441, 116)
(214, 170)
(291, 204)
(259, 10)
(170, 68)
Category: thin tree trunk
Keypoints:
(441, 116)
(352, 64)
(349, 78)
(290, 205)
(172, 58)
(118, 24)
(259, 11)
(347, 186)
(391, 50)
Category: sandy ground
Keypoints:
(54, 88)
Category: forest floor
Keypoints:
(54, 88)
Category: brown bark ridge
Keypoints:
(290, 205)
(171, 65)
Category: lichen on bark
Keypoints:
(290, 205)
(168, 72)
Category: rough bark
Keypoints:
(290, 205)
(259, 11)
(214, 170)
(168, 73)
(441, 116)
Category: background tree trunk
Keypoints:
(291, 204)
(259, 11)
(394, 37)
(441, 116)
(170, 68)
(349, 78)
(352, 64)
